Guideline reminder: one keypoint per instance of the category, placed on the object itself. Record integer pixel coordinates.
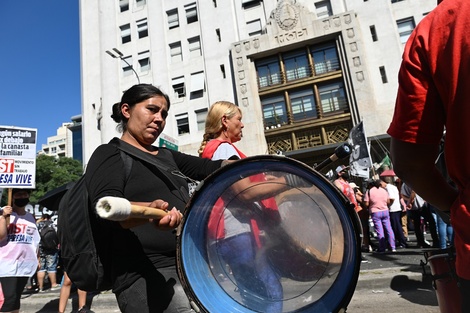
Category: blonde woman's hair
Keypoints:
(214, 120)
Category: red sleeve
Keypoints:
(419, 114)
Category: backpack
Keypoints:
(49, 238)
(84, 237)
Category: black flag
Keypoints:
(359, 160)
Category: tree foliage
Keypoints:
(50, 174)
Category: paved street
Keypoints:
(391, 282)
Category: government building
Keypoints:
(303, 72)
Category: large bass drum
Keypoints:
(307, 236)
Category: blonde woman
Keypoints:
(236, 233)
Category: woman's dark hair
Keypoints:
(132, 96)
(373, 183)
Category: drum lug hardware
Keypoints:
(195, 307)
(178, 230)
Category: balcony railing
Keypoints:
(280, 77)
(327, 66)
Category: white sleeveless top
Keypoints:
(18, 251)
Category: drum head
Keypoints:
(296, 250)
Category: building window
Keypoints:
(201, 119)
(269, 72)
(296, 65)
(126, 64)
(303, 104)
(197, 85)
(175, 52)
(405, 28)
(246, 4)
(173, 21)
(321, 97)
(332, 98)
(142, 28)
(178, 87)
(140, 3)
(383, 74)
(125, 33)
(191, 13)
(254, 27)
(124, 5)
(274, 111)
(222, 69)
(217, 32)
(373, 33)
(194, 46)
(325, 59)
(182, 123)
(323, 9)
(144, 61)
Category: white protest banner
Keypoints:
(359, 160)
(17, 157)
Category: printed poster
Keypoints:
(17, 157)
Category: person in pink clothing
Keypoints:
(377, 200)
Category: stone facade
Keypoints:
(366, 35)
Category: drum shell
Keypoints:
(445, 282)
(196, 278)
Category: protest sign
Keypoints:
(17, 157)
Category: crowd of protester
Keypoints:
(390, 209)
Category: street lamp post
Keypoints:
(120, 56)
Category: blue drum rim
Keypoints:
(206, 294)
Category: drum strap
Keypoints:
(165, 170)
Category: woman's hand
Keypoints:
(7, 210)
(159, 204)
(171, 221)
(166, 223)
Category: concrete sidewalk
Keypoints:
(388, 283)
(392, 289)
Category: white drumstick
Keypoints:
(120, 209)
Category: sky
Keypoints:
(40, 65)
